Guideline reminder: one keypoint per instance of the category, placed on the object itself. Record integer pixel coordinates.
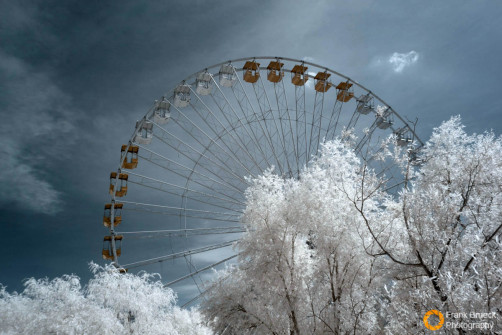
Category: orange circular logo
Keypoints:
(426, 319)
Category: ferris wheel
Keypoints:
(178, 192)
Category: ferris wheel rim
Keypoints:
(148, 117)
(193, 75)
(254, 58)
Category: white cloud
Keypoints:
(400, 61)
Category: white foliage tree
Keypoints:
(303, 268)
(441, 237)
(111, 303)
(333, 252)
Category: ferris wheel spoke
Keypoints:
(189, 231)
(266, 113)
(223, 132)
(200, 155)
(266, 108)
(282, 107)
(288, 147)
(194, 299)
(225, 161)
(200, 270)
(353, 119)
(222, 137)
(178, 255)
(145, 179)
(225, 109)
(192, 129)
(190, 268)
(395, 185)
(384, 173)
(266, 158)
(371, 157)
(251, 115)
(234, 182)
(337, 112)
(223, 103)
(366, 138)
(184, 232)
(181, 214)
(330, 130)
(213, 215)
(206, 182)
(202, 293)
(197, 196)
(301, 124)
(168, 166)
(202, 200)
(315, 130)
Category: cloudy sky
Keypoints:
(76, 75)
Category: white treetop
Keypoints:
(111, 303)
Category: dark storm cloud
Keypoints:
(36, 130)
(76, 75)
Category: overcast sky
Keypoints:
(76, 75)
